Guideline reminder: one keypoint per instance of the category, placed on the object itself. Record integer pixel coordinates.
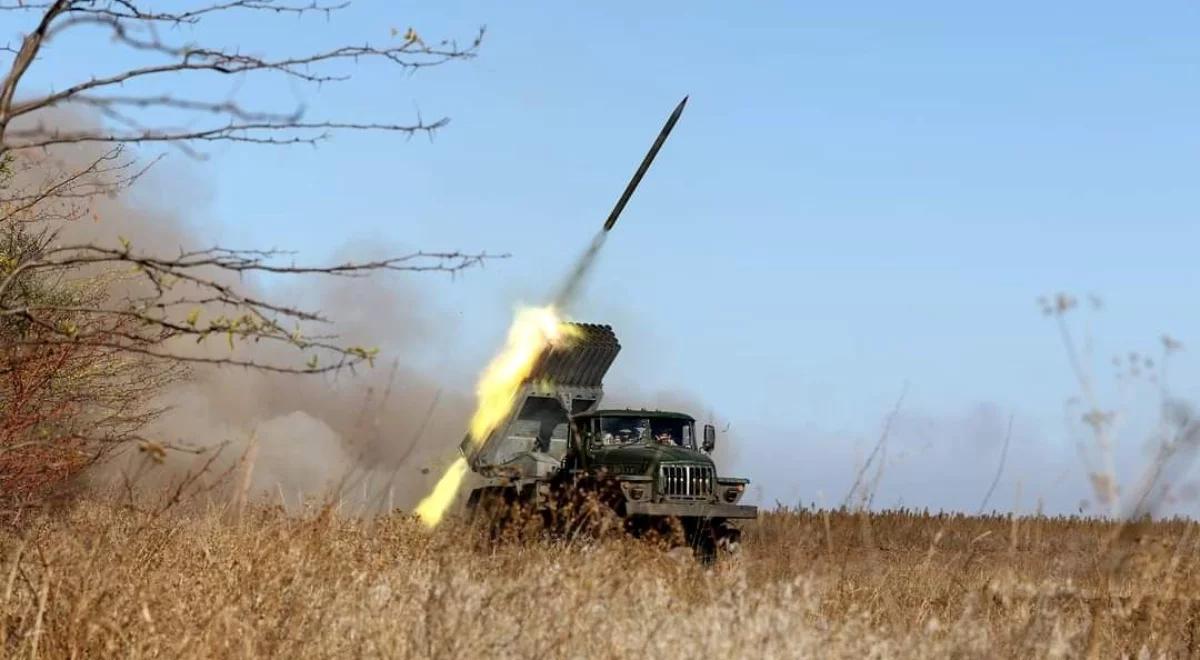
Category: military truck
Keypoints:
(558, 448)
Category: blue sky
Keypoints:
(855, 198)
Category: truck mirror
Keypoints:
(710, 438)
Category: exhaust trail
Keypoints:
(533, 331)
(578, 274)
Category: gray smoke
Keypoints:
(366, 438)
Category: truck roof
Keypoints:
(630, 412)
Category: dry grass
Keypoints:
(103, 581)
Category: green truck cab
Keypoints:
(655, 459)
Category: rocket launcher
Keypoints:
(564, 381)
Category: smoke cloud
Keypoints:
(366, 438)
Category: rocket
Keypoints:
(641, 170)
(583, 264)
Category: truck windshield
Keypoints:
(619, 431)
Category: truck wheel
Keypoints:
(714, 539)
(728, 539)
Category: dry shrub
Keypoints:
(64, 404)
(105, 581)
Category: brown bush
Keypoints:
(63, 405)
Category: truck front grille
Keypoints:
(686, 482)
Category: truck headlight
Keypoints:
(732, 493)
(635, 491)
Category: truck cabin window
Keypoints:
(624, 431)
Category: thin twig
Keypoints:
(1000, 467)
(883, 436)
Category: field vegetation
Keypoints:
(106, 580)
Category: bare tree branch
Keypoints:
(30, 45)
(133, 27)
(263, 133)
(125, 9)
(80, 184)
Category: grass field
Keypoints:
(99, 580)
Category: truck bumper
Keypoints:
(681, 510)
